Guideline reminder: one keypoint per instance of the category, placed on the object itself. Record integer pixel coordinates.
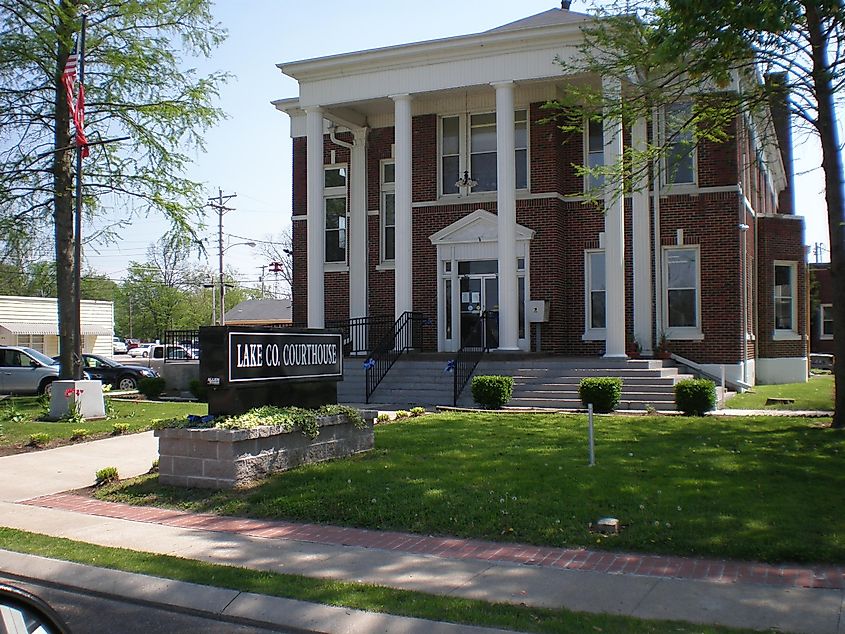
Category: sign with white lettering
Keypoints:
(263, 356)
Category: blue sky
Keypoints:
(249, 153)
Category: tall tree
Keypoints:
(278, 250)
(662, 50)
(136, 85)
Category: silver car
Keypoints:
(26, 371)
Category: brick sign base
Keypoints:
(226, 459)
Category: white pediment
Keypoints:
(479, 226)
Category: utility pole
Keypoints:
(263, 268)
(218, 204)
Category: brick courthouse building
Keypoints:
(426, 179)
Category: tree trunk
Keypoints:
(63, 213)
(832, 168)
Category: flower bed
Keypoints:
(221, 458)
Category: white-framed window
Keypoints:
(387, 218)
(680, 161)
(826, 321)
(36, 342)
(595, 300)
(786, 306)
(594, 152)
(334, 199)
(468, 144)
(682, 284)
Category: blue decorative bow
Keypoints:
(450, 366)
(200, 420)
(369, 363)
(427, 321)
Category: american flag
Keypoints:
(76, 105)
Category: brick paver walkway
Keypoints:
(718, 571)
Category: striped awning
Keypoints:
(49, 328)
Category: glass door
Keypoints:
(479, 293)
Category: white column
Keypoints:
(316, 218)
(506, 217)
(404, 247)
(358, 227)
(614, 231)
(641, 232)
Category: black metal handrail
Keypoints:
(187, 339)
(467, 358)
(406, 334)
(362, 334)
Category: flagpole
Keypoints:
(77, 246)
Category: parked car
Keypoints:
(26, 371)
(132, 343)
(141, 350)
(171, 352)
(119, 376)
(119, 346)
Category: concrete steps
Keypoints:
(539, 382)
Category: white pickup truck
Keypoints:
(157, 353)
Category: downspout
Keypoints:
(336, 141)
(743, 250)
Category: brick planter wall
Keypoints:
(225, 459)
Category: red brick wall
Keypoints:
(821, 293)
(781, 238)
(563, 230)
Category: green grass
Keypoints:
(138, 415)
(340, 593)
(756, 488)
(815, 394)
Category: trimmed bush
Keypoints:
(118, 429)
(151, 387)
(79, 434)
(199, 390)
(603, 392)
(492, 391)
(39, 440)
(106, 475)
(695, 397)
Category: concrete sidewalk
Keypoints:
(457, 569)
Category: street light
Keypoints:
(222, 282)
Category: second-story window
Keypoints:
(388, 211)
(595, 153)
(468, 144)
(680, 144)
(335, 209)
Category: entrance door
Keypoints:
(479, 293)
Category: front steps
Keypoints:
(539, 381)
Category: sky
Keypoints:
(249, 154)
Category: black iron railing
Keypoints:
(473, 346)
(405, 335)
(362, 334)
(178, 339)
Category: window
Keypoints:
(468, 144)
(785, 305)
(681, 276)
(680, 144)
(335, 209)
(595, 153)
(36, 342)
(826, 321)
(388, 211)
(595, 284)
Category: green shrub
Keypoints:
(493, 391)
(695, 397)
(151, 387)
(384, 417)
(402, 413)
(38, 440)
(199, 390)
(417, 411)
(106, 475)
(118, 429)
(79, 434)
(603, 392)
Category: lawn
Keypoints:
(19, 419)
(755, 488)
(815, 394)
